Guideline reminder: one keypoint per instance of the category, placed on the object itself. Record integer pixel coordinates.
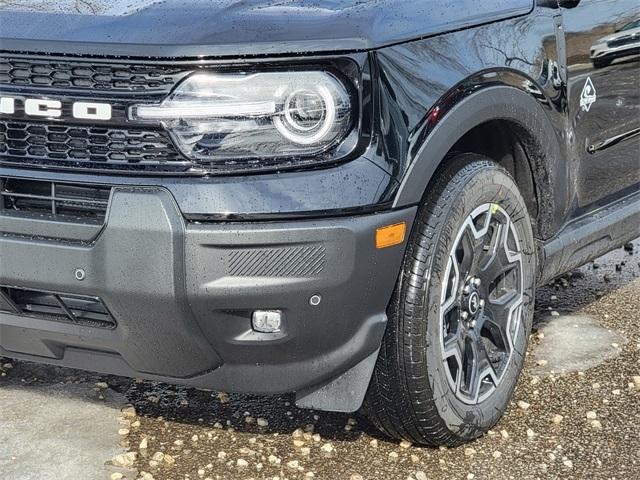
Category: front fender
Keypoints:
(535, 130)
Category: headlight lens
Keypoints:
(266, 115)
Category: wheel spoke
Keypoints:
(453, 348)
(478, 366)
(496, 319)
(451, 286)
(471, 248)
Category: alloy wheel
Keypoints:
(481, 303)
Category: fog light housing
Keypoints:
(266, 321)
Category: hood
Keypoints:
(220, 28)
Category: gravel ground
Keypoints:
(575, 413)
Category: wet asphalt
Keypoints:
(575, 413)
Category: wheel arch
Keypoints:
(537, 154)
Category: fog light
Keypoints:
(266, 321)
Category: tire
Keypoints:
(414, 393)
(602, 63)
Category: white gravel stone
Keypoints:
(327, 448)
(262, 422)
(405, 444)
(158, 456)
(596, 424)
(523, 405)
(144, 444)
(497, 454)
(125, 459)
(420, 475)
(117, 476)
(557, 419)
(591, 415)
(242, 463)
(129, 411)
(293, 464)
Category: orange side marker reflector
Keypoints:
(390, 235)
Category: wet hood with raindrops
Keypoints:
(232, 27)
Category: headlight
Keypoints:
(236, 117)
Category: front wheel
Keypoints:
(461, 314)
(602, 62)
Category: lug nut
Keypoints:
(482, 302)
(476, 282)
(464, 315)
(466, 289)
(473, 323)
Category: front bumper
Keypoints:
(182, 294)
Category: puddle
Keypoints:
(574, 343)
(57, 432)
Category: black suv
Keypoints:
(352, 201)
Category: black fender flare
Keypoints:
(496, 102)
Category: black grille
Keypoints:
(33, 144)
(62, 307)
(54, 200)
(73, 74)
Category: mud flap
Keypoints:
(345, 394)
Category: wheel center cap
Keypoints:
(473, 303)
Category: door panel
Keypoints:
(603, 53)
